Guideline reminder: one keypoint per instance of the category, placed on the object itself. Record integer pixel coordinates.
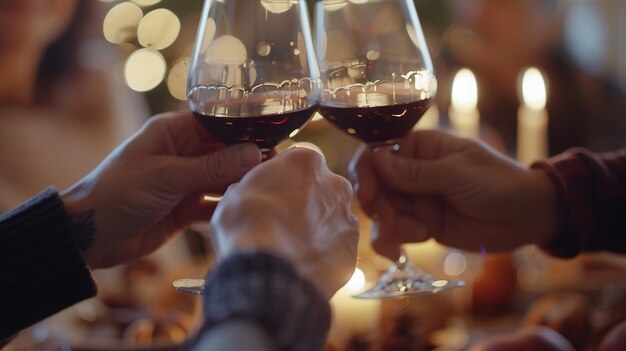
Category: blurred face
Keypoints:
(33, 23)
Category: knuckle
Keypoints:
(216, 168)
(157, 122)
(314, 158)
(344, 186)
(413, 170)
(306, 161)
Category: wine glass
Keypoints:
(253, 76)
(378, 81)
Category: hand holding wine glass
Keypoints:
(253, 77)
(378, 81)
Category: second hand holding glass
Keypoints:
(378, 81)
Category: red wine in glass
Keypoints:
(378, 124)
(265, 131)
(265, 114)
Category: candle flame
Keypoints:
(534, 89)
(464, 90)
(357, 281)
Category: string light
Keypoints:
(146, 67)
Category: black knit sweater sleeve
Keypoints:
(42, 270)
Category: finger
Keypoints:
(216, 171)
(432, 144)
(363, 177)
(389, 233)
(411, 175)
(177, 133)
(429, 211)
(383, 215)
(342, 187)
(194, 208)
(301, 160)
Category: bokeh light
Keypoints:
(276, 6)
(177, 78)
(121, 22)
(534, 89)
(158, 29)
(464, 90)
(209, 34)
(227, 50)
(145, 3)
(455, 264)
(144, 69)
(357, 281)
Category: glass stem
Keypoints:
(401, 262)
(265, 154)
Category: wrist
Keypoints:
(81, 211)
(266, 290)
(550, 221)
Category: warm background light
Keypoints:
(463, 112)
(144, 69)
(145, 3)
(227, 50)
(532, 118)
(158, 29)
(534, 89)
(464, 90)
(120, 23)
(455, 264)
(357, 281)
(177, 78)
(276, 6)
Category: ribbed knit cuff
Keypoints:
(267, 290)
(570, 177)
(42, 270)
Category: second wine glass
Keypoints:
(378, 81)
(253, 76)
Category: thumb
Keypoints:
(216, 171)
(410, 175)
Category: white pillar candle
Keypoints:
(532, 118)
(463, 112)
(353, 316)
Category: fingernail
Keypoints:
(249, 155)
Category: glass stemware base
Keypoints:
(403, 279)
(189, 285)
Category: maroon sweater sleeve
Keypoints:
(592, 188)
(42, 270)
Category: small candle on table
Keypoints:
(532, 118)
(463, 112)
(353, 316)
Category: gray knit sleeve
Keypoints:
(265, 289)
